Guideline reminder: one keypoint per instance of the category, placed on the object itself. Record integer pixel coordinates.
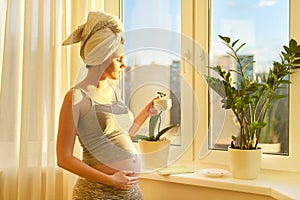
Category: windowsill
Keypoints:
(276, 184)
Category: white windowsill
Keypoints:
(276, 184)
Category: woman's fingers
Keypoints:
(129, 184)
(128, 173)
(126, 179)
(152, 111)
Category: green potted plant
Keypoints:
(250, 99)
(154, 148)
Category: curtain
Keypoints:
(35, 73)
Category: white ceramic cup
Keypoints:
(162, 104)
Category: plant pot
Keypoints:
(154, 154)
(270, 148)
(244, 164)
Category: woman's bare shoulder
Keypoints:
(73, 95)
(74, 98)
(79, 100)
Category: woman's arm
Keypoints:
(66, 136)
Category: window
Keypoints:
(154, 64)
(264, 27)
(194, 24)
(290, 162)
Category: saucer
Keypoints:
(213, 172)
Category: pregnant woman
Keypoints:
(93, 112)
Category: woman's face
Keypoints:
(114, 69)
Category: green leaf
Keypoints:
(240, 47)
(297, 49)
(232, 55)
(284, 82)
(293, 44)
(225, 39)
(248, 64)
(295, 62)
(256, 125)
(234, 42)
(278, 97)
(234, 138)
(228, 77)
(140, 137)
(232, 70)
(227, 103)
(246, 59)
(287, 50)
(152, 124)
(163, 131)
(217, 85)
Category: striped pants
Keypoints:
(85, 189)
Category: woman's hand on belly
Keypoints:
(124, 179)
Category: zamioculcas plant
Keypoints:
(249, 99)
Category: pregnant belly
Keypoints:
(131, 164)
(131, 160)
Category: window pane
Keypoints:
(150, 69)
(264, 26)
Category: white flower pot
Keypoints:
(154, 154)
(270, 148)
(244, 164)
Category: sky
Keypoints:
(152, 13)
(162, 14)
(262, 24)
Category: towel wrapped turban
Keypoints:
(100, 37)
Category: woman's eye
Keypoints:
(120, 59)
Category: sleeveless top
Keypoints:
(103, 133)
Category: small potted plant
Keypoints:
(249, 100)
(155, 146)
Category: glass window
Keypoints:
(264, 26)
(152, 56)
